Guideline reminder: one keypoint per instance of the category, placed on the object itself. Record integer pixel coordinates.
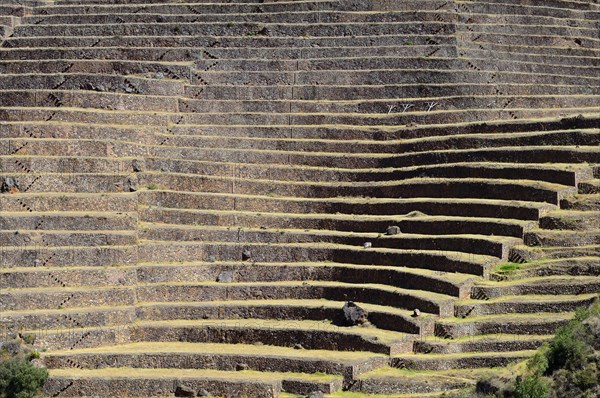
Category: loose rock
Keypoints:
(9, 184)
(392, 230)
(225, 277)
(137, 165)
(354, 315)
(246, 255)
(184, 391)
(241, 366)
(131, 184)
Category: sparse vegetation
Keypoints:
(19, 377)
(565, 367)
(507, 268)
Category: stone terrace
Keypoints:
(191, 190)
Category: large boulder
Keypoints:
(354, 315)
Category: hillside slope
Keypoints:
(192, 191)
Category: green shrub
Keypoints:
(20, 379)
(569, 349)
(538, 364)
(31, 355)
(530, 387)
(28, 338)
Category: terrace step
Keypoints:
(179, 136)
(383, 118)
(76, 8)
(90, 100)
(492, 246)
(317, 310)
(66, 297)
(459, 360)
(563, 132)
(453, 284)
(480, 344)
(571, 220)
(173, 70)
(409, 223)
(377, 77)
(513, 324)
(73, 276)
(158, 382)
(581, 203)
(337, 291)
(218, 357)
(484, 208)
(486, 188)
(589, 187)
(158, 251)
(73, 317)
(171, 53)
(456, 103)
(527, 253)
(39, 255)
(238, 29)
(304, 309)
(321, 335)
(388, 91)
(30, 163)
(65, 238)
(282, 172)
(93, 81)
(555, 285)
(52, 219)
(403, 383)
(523, 304)
(564, 238)
(120, 15)
(574, 266)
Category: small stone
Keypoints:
(392, 230)
(354, 315)
(159, 75)
(131, 184)
(203, 393)
(184, 391)
(264, 32)
(416, 313)
(211, 259)
(246, 255)
(241, 367)
(368, 245)
(316, 394)
(9, 184)
(37, 262)
(298, 346)
(137, 165)
(225, 277)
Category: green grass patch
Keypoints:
(507, 268)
